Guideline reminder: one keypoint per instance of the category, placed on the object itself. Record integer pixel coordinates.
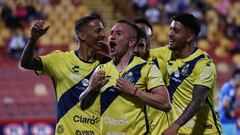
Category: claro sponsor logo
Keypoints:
(82, 119)
(111, 121)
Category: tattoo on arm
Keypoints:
(200, 94)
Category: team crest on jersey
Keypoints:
(185, 70)
(177, 74)
(85, 82)
(129, 77)
(60, 129)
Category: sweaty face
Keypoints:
(119, 40)
(141, 48)
(178, 35)
(95, 34)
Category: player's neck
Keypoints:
(186, 52)
(122, 62)
(86, 54)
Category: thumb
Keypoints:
(115, 87)
(45, 29)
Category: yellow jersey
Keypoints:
(197, 69)
(159, 120)
(70, 77)
(122, 113)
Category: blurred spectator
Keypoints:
(6, 12)
(183, 5)
(16, 44)
(223, 7)
(139, 6)
(124, 7)
(76, 2)
(2, 2)
(33, 14)
(8, 18)
(226, 100)
(22, 15)
(170, 7)
(21, 11)
(55, 2)
(153, 2)
(44, 2)
(153, 14)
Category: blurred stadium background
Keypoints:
(27, 103)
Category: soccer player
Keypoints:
(70, 72)
(142, 48)
(123, 105)
(227, 104)
(158, 119)
(192, 79)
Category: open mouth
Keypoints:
(112, 46)
(171, 41)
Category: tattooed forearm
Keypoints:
(200, 94)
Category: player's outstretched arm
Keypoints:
(28, 60)
(88, 97)
(200, 94)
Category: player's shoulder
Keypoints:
(159, 49)
(204, 54)
(60, 52)
(145, 63)
(107, 65)
(204, 57)
(138, 60)
(160, 52)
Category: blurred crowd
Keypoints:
(220, 24)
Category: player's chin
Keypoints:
(171, 46)
(137, 54)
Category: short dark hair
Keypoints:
(142, 34)
(134, 26)
(84, 21)
(188, 20)
(235, 72)
(144, 21)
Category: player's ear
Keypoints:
(132, 42)
(81, 36)
(190, 37)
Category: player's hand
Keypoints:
(38, 29)
(98, 80)
(124, 85)
(104, 48)
(172, 130)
